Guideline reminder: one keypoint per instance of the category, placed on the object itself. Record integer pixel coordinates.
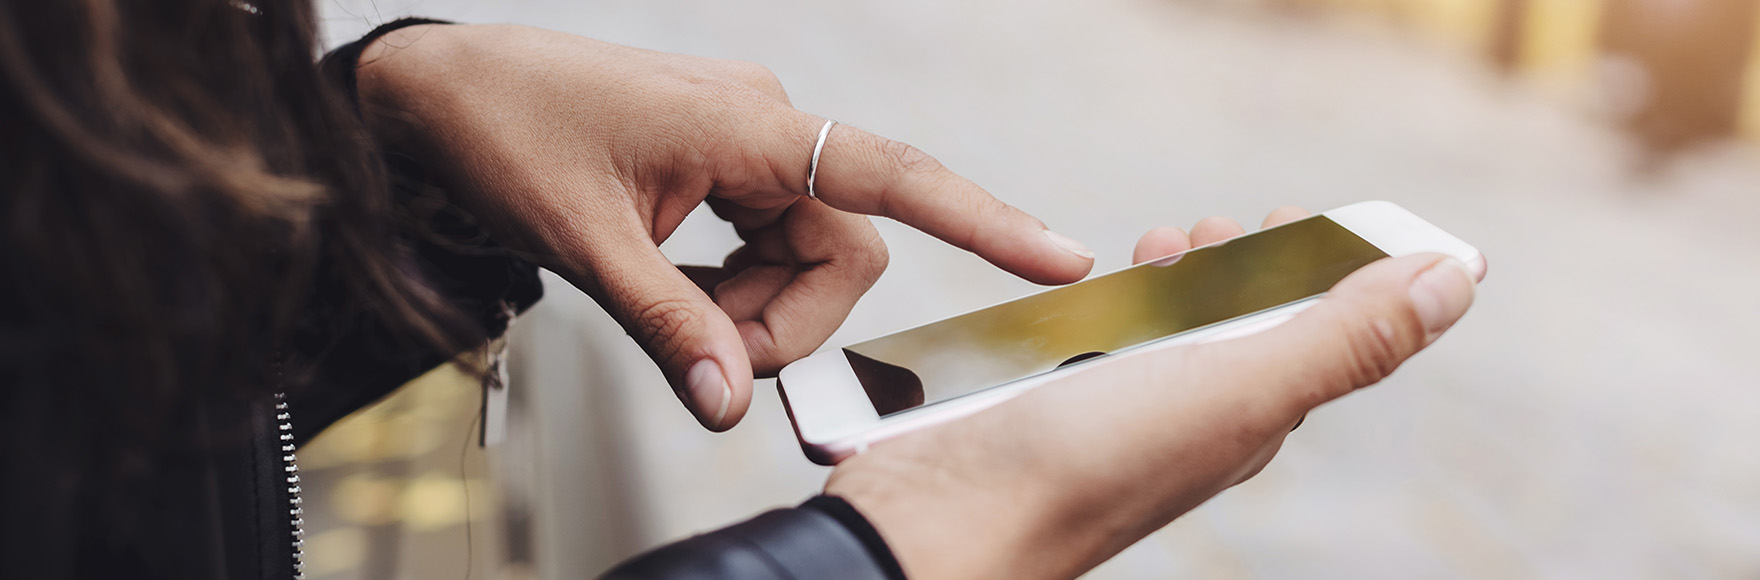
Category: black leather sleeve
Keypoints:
(823, 539)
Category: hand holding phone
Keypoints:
(843, 400)
(1054, 481)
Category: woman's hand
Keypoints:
(1057, 480)
(588, 155)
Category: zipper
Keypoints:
(290, 466)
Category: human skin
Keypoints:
(587, 155)
(1054, 482)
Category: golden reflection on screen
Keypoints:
(1038, 333)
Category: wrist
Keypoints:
(953, 528)
(401, 77)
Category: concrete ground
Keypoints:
(1596, 416)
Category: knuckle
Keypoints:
(768, 354)
(876, 257)
(766, 77)
(662, 323)
(1374, 350)
(734, 94)
(783, 352)
(758, 77)
(908, 159)
(750, 71)
(867, 255)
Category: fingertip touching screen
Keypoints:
(1108, 314)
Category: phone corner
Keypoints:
(826, 455)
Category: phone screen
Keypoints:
(1039, 333)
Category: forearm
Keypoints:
(393, 72)
(436, 95)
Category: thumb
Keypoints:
(692, 340)
(1366, 326)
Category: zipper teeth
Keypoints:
(290, 466)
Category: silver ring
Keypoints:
(813, 170)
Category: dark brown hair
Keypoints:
(178, 182)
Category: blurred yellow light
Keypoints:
(414, 420)
(434, 501)
(364, 499)
(334, 551)
(1558, 37)
(1464, 23)
(1461, 23)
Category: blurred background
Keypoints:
(1596, 416)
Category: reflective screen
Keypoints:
(1038, 333)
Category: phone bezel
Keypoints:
(834, 419)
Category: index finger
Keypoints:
(865, 173)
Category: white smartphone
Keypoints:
(845, 399)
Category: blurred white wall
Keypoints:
(1594, 416)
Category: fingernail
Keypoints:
(1069, 245)
(1441, 295)
(708, 389)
